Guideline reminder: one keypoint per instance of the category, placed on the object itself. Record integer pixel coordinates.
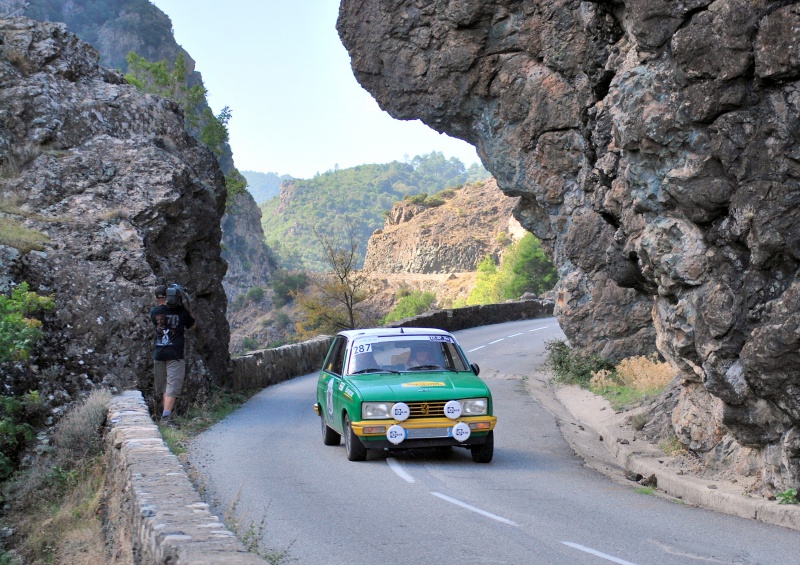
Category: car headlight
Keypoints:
(376, 410)
(474, 406)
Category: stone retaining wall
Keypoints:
(154, 515)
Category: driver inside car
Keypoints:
(422, 356)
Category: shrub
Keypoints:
(572, 368)
(282, 320)
(18, 416)
(412, 304)
(255, 294)
(645, 374)
(249, 344)
(19, 332)
(79, 434)
(286, 285)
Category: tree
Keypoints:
(488, 284)
(523, 268)
(527, 268)
(336, 299)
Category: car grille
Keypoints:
(426, 409)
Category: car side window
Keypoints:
(335, 362)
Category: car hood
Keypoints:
(435, 385)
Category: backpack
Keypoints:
(174, 296)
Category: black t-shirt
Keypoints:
(168, 325)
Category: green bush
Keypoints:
(412, 304)
(572, 368)
(282, 319)
(524, 268)
(18, 418)
(249, 344)
(19, 332)
(286, 285)
(255, 294)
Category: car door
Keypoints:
(329, 393)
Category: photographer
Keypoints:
(170, 320)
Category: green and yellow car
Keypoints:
(403, 388)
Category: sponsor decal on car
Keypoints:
(424, 383)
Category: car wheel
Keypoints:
(329, 437)
(353, 446)
(483, 453)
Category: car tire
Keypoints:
(329, 436)
(483, 452)
(353, 446)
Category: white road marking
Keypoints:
(515, 335)
(597, 553)
(395, 466)
(496, 341)
(474, 509)
(476, 349)
(537, 329)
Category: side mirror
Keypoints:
(475, 369)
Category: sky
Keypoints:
(296, 107)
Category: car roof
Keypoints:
(391, 332)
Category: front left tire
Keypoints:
(353, 446)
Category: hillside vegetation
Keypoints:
(359, 194)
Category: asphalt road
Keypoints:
(535, 503)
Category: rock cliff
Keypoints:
(125, 199)
(451, 237)
(654, 149)
(118, 27)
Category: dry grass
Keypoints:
(70, 531)
(14, 234)
(56, 505)
(632, 381)
(645, 374)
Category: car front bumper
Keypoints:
(423, 432)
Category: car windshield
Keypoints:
(376, 354)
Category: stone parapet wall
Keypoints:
(266, 367)
(154, 515)
(473, 316)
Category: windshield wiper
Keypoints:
(425, 367)
(374, 370)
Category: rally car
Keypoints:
(403, 388)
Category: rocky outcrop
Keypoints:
(250, 262)
(654, 149)
(451, 237)
(118, 28)
(125, 198)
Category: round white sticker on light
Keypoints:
(452, 409)
(461, 432)
(401, 411)
(397, 434)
